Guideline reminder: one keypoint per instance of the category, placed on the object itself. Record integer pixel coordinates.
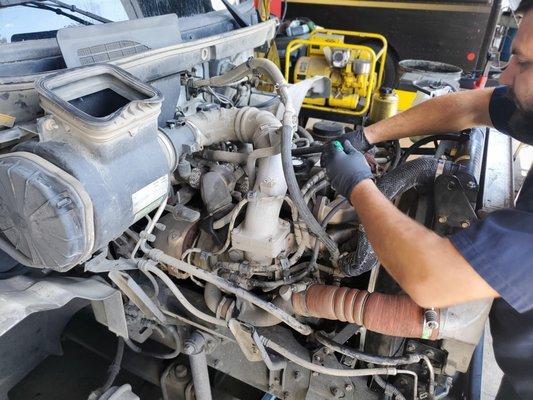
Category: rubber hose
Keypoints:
(418, 172)
(296, 194)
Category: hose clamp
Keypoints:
(440, 167)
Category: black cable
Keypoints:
(428, 139)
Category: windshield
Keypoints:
(19, 20)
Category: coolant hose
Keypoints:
(393, 315)
(296, 194)
(418, 172)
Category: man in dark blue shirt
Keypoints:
(491, 259)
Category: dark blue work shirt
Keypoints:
(500, 249)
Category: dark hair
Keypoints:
(524, 7)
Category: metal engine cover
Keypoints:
(45, 213)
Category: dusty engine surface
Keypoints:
(226, 241)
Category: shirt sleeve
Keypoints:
(500, 249)
(501, 109)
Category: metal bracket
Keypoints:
(452, 207)
(137, 295)
(243, 335)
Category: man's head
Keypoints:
(519, 73)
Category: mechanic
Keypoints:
(491, 259)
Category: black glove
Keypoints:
(358, 139)
(345, 167)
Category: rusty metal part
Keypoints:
(178, 236)
(394, 315)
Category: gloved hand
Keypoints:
(345, 167)
(358, 139)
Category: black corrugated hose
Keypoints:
(418, 172)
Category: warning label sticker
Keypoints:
(145, 197)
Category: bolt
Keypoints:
(255, 350)
(276, 380)
(317, 358)
(315, 373)
(465, 224)
(297, 375)
(348, 387)
(443, 219)
(410, 347)
(471, 185)
(188, 348)
(451, 185)
(327, 350)
(335, 391)
(429, 353)
(180, 371)
(285, 395)
(432, 318)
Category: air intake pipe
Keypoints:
(393, 315)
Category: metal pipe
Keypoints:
(195, 349)
(366, 357)
(325, 370)
(147, 267)
(175, 266)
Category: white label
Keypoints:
(149, 194)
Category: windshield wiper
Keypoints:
(58, 10)
(73, 8)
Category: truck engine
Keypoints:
(213, 241)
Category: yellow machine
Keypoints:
(352, 69)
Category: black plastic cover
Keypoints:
(44, 213)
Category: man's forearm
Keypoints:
(451, 113)
(427, 266)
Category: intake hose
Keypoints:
(393, 315)
(418, 172)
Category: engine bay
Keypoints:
(224, 239)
